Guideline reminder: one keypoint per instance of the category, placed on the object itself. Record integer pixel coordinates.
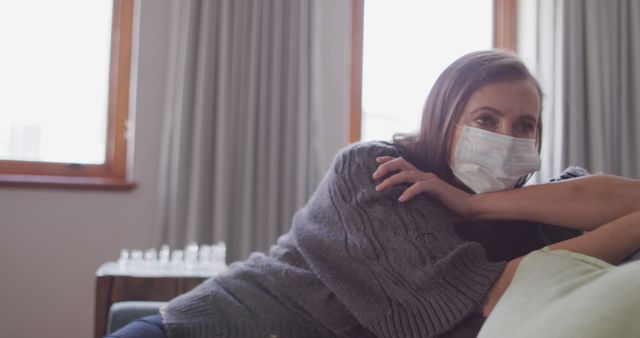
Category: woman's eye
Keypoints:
(525, 128)
(486, 122)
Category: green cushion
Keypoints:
(565, 294)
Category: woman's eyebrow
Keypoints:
(496, 111)
(529, 117)
(491, 109)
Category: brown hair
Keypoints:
(429, 149)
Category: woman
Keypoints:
(490, 114)
(394, 242)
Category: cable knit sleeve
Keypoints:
(399, 268)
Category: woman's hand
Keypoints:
(460, 202)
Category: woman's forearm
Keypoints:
(581, 203)
(612, 242)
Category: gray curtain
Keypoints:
(239, 150)
(588, 58)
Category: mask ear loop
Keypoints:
(449, 163)
(524, 179)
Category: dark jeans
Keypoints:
(147, 327)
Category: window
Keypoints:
(64, 93)
(399, 49)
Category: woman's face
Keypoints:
(508, 108)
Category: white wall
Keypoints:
(52, 241)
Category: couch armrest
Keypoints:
(122, 313)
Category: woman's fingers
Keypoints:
(404, 177)
(384, 159)
(390, 164)
(458, 201)
(416, 189)
(387, 164)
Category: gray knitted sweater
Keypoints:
(356, 263)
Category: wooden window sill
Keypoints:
(65, 182)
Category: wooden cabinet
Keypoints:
(116, 288)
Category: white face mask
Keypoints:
(487, 161)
